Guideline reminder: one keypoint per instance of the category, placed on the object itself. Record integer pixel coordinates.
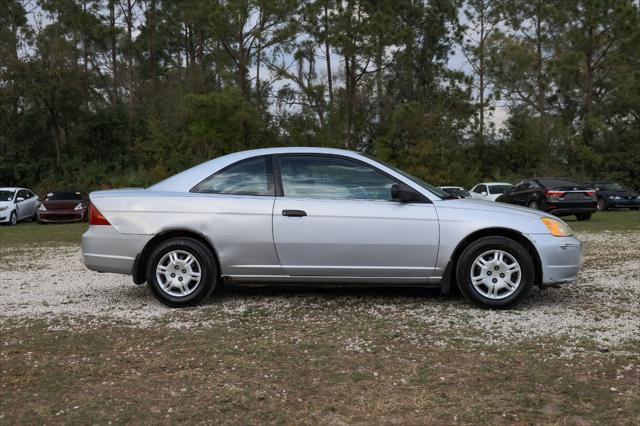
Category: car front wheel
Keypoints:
(495, 272)
(181, 272)
(13, 219)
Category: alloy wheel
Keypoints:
(496, 274)
(178, 273)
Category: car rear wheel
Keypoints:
(495, 272)
(534, 205)
(181, 272)
(13, 219)
(583, 217)
(602, 205)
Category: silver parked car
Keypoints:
(321, 216)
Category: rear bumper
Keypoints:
(106, 250)
(561, 258)
(568, 211)
(61, 216)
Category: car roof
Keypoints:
(451, 186)
(198, 173)
(10, 188)
(494, 183)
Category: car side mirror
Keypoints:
(403, 194)
(484, 193)
(19, 199)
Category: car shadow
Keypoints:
(250, 292)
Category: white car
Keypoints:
(490, 190)
(17, 204)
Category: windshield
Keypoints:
(434, 189)
(609, 187)
(499, 189)
(66, 196)
(6, 195)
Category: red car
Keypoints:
(63, 207)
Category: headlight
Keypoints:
(80, 206)
(5, 207)
(42, 208)
(557, 227)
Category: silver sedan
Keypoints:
(321, 216)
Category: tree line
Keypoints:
(109, 93)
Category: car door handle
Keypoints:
(294, 213)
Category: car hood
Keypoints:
(492, 206)
(5, 203)
(60, 204)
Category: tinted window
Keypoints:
(331, 177)
(22, 193)
(459, 192)
(6, 195)
(609, 187)
(481, 188)
(558, 183)
(499, 189)
(64, 196)
(248, 177)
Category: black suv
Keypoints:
(614, 196)
(558, 196)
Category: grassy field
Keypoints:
(622, 220)
(80, 347)
(28, 233)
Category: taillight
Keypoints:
(555, 194)
(95, 217)
(591, 193)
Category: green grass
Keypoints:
(30, 233)
(623, 220)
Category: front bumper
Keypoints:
(623, 204)
(561, 258)
(61, 216)
(106, 250)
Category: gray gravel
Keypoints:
(602, 306)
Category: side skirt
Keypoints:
(433, 282)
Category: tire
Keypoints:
(507, 295)
(583, 217)
(13, 218)
(174, 253)
(602, 205)
(534, 205)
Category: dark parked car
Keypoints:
(456, 191)
(63, 207)
(611, 195)
(558, 196)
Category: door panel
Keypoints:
(356, 238)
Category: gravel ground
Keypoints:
(603, 306)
